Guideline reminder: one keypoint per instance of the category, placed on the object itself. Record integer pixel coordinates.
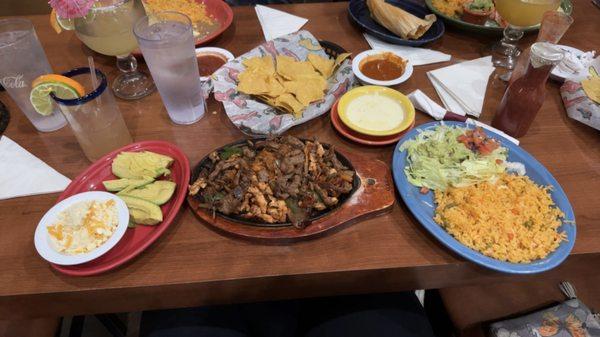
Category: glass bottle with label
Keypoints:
(524, 97)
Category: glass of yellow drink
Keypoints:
(95, 118)
(519, 14)
(108, 29)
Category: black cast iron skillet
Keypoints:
(206, 163)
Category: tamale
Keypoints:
(399, 21)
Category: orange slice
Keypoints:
(60, 79)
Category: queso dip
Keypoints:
(375, 112)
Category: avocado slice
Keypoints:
(137, 165)
(158, 192)
(125, 183)
(142, 212)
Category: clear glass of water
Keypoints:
(22, 60)
(167, 43)
(95, 118)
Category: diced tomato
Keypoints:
(477, 141)
(424, 190)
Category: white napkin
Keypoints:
(462, 86)
(276, 23)
(416, 56)
(23, 174)
(423, 103)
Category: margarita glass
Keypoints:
(519, 14)
(108, 29)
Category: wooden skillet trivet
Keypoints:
(375, 195)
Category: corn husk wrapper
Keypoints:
(398, 21)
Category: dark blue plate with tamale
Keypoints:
(359, 12)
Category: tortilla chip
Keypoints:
(269, 100)
(339, 60)
(591, 87)
(308, 95)
(307, 90)
(290, 103)
(321, 64)
(263, 64)
(286, 83)
(253, 83)
(307, 43)
(275, 87)
(291, 69)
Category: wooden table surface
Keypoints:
(192, 265)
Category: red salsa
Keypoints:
(383, 67)
(208, 63)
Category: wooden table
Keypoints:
(192, 265)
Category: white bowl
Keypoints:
(42, 239)
(228, 55)
(369, 81)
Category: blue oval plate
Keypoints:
(422, 206)
(359, 11)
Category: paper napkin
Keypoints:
(23, 174)
(416, 56)
(425, 104)
(422, 102)
(276, 23)
(462, 86)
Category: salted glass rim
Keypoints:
(108, 7)
(29, 29)
(146, 18)
(87, 97)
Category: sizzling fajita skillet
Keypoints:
(371, 193)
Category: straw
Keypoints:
(94, 79)
(93, 72)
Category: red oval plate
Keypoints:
(220, 11)
(360, 138)
(135, 239)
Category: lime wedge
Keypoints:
(58, 23)
(40, 96)
(66, 24)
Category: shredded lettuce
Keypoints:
(437, 160)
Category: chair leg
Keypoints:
(76, 326)
(113, 324)
(134, 319)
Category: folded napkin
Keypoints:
(24, 174)
(425, 104)
(416, 56)
(276, 23)
(462, 86)
(422, 102)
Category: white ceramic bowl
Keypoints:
(369, 81)
(42, 239)
(208, 50)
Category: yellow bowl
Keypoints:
(408, 110)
